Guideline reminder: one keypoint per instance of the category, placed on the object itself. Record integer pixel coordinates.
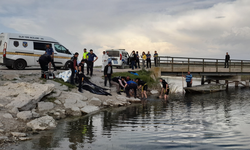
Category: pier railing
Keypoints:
(203, 64)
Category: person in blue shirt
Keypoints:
(131, 85)
(90, 62)
(50, 51)
(189, 79)
(148, 59)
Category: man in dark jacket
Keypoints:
(227, 58)
(44, 60)
(133, 60)
(73, 67)
(108, 71)
(80, 75)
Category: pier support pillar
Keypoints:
(202, 80)
(247, 83)
(226, 82)
(236, 83)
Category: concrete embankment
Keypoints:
(29, 104)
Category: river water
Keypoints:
(198, 121)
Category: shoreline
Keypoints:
(48, 101)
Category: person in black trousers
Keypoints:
(80, 75)
(137, 59)
(148, 59)
(44, 60)
(108, 71)
(74, 68)
(227, 58)
(90, 62)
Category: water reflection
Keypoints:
(189, 121)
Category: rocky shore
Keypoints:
(29, 104)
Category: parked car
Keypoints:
(18, 51)
(118, 57)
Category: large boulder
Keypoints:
(45, 122)
(45, 106)
(95, 101)
(24, 115)
(22, 95)
(89, 109)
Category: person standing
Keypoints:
(74, 68)
(137, 59)
(133, 59)
(104, 60)
(148, 59)
(164, 89)
(50, 51)
(227, 58)
(90, 62)
(85, 57)
(144, 57)
(156, 58)
(108, 71)
(189, 79)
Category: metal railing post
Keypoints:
(203, 66)
(172, 64)
(241, 65)
(216, 65)
(188, 64)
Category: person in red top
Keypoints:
(74, 68)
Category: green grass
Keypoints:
(143, 75)
(70, 86)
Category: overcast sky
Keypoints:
(194, 28)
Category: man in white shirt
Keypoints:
(104, 60)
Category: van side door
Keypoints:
(39, 49)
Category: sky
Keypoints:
(177, 28)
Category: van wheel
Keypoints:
(66, 66)
(19, 64)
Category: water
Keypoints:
(201, 121)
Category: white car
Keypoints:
(118, 57)
(18, 51)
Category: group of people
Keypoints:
(135, 59)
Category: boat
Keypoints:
(206, 88)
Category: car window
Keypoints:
(61, 49)
(113, 53)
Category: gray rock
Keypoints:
(1, 124)
(56, 93)
(24, 138)
(1, 105)
(105, 103)
(18, 134)
(1, 130)
(14, 110)
(3, 138)
(76, 111)
(154, 92)
(7, 115)
(58, 86)
(35, 115)
(74, 103)
(45, 106)
(42, 123)
(95, 101)
(24, 95)
(58, 102)
(89, 109)
(25, 115)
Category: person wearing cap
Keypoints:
(164, 89)
(74, 68)
(90, 62)
(50, 51)
(85, 57)
(108, 71)
(104, 60)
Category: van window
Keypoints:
(61, 49)
(40, 46)
(113, 53)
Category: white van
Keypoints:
(118, 57)
(18, 51)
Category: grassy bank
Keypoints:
(143, 75)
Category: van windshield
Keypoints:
(113, 53)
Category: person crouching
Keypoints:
(108, 71)
(165, 89)
(130, 85)
(81, 75)
(143, 85)
(44, 60)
